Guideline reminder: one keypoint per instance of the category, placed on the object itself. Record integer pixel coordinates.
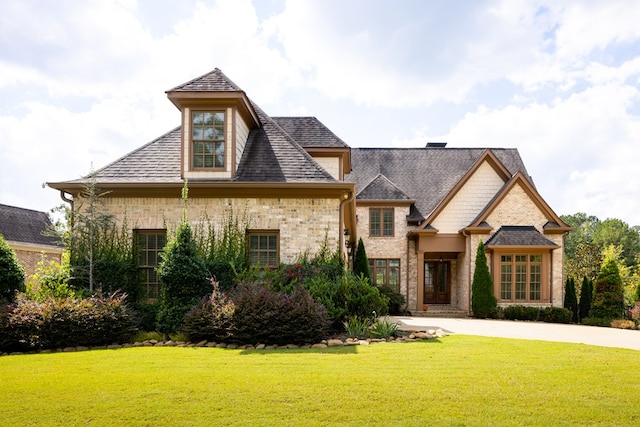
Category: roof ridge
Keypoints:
(215, 71)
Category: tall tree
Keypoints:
(586, 296)
(361, 262)
(608, 295)
(618, 233)
(11, 272)
(483, 301)
(570, 300)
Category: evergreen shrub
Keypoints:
(211, 319)
(522, 312)
(557, 315)
(11, 272)
(608, 293)
(483, 302)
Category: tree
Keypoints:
(618, 233)
(361, 262)
(586, 296)
(585, 262)
(583, 229)
(11, 272)
(570, 300)
(483, 301)
(183, 276)
(608, 294)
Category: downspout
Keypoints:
(347, 197)
(63, 196)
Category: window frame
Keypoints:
(374, 268)
(275, 234)
(384, 224)
(521, 278)
(193, 141)
(146, 270)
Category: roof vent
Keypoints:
(436, 144)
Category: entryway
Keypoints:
(437, 282)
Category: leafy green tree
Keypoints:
(11, 272)
(483, 301)
(570, 300)
(585, 262)
(608, 295)
(361, 262)
(583, 229)
(618, 233)
(586, 297)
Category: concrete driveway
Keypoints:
(591, 335)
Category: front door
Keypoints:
(437, 286)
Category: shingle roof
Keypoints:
(380, 188)
(425, 174)
(214, 81)
(518, 235)
(309, 132)
(25, 226)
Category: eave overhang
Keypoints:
(196, 99)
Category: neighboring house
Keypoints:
(420, 212)
(25, 231)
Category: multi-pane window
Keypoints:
(385, 272)
(150, 246)
(380, 222)
(520, 277)
(263, 248)
(207, 135)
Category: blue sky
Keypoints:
(83, 83)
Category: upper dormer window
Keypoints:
(207, 136)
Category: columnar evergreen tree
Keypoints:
(586, 296)
(608, 294)
(183, 276)
(11, 272)
(483, 301)
(361, 262)
(570, 299)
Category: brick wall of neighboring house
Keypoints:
(303, 223)
(29, 256)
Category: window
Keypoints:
(521, 277)
(381, 222)
(385, 272)
(264, 248)
(150, 245)
(207, 133)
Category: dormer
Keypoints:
(217, 117)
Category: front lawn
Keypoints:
(458, 380)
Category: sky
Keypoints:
(83, 83)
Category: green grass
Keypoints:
(458, 381)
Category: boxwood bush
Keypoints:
(545, 314)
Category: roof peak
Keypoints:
(214, 80)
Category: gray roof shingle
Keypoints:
(26, 226)
(425, 174)
(309, 132)
(213, 81)
(518, 235)
(382, 189)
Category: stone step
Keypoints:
(441, 311)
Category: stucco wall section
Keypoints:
(303, 223)
(474, 195)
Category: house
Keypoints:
(25, 231)
(421, 212)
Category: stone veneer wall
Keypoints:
(303, 223)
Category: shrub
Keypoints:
(356, 327)
(634, 313)
(586, 296)
(265, 316)
(596, 321)
(361, 262)
(8, 340)
(56, 323)
(211, 319)
(623, 324)
(183, 275)
(482, 299)
(397, 302)
(521, 312)
(608, 294)
(557, 315)
(11, 272)
(383, 327)
(51, 280)
(570, 299)
(146, 315)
